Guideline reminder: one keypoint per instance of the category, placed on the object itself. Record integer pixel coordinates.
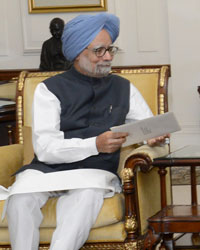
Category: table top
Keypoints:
(186, 155)
(189, 151)
(7, 110)
(4, 102)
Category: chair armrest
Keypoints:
(11, 159)
(143, 155)
(141, 187)
(153, 152)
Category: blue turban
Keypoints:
(81, 31)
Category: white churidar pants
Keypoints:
(76, 212)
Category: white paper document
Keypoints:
(145, 129)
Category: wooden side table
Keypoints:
(7, 122)
(175, 218)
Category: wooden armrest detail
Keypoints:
(139, 159)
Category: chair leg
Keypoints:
(195, 237)
(151, 240)
(167, 242)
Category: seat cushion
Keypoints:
(110, 216)
(113, 233)
(111, 212)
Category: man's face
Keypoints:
(89, 63)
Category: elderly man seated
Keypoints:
(72, 116)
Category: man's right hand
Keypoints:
(109, 142)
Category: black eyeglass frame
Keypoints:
(104, 50)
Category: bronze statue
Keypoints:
(52, 58)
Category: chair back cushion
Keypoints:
(147, 84)
(152, 82)
(31, 82)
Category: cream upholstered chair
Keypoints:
(122, 221)
(8, 89)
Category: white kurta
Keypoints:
(51, 147)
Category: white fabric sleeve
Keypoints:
(138, 108)
(48, 141)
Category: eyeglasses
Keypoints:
(101, 51)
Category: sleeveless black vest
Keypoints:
(89, 107)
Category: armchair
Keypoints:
(122, 222)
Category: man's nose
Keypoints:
(107, 56)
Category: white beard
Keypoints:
(101, 69)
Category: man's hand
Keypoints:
(110, 142)
(157, 141)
